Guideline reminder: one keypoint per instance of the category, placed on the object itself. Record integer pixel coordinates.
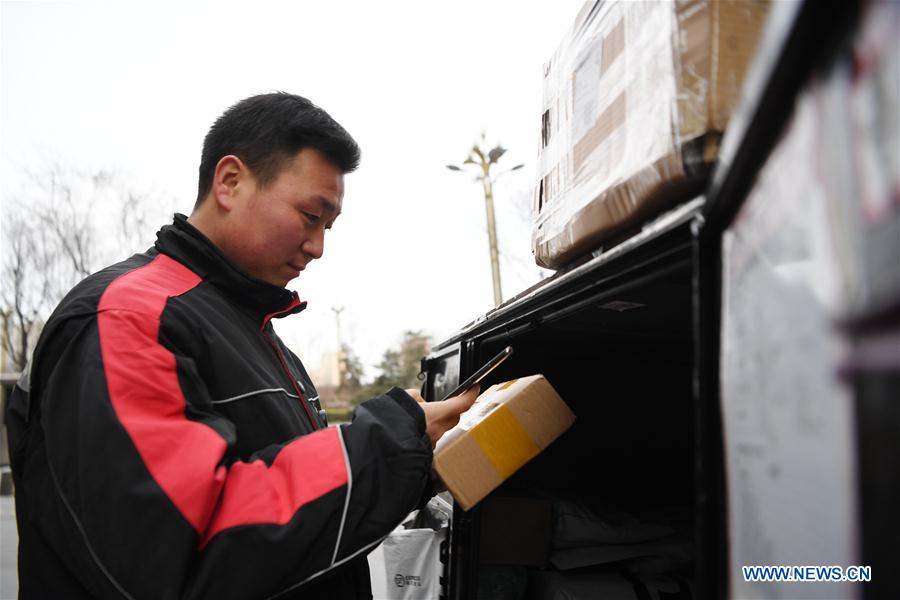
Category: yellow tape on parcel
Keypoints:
(504, 441)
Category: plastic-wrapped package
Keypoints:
(583, 538)
(634, 103)
(576, 525)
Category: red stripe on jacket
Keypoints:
(183, 456)
(305, 469)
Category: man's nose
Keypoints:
(314, 245)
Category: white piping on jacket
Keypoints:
(265, 391)
(347, 498)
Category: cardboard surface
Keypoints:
(515, 531)
(635, 101)
(508, 425)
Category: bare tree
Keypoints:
(51, 240)
(21, 298)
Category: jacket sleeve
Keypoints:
(143, 470)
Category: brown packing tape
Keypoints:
(650, 190)
(714, 45)
(613, 44)
(613, 116)
(692, 65)
(737, 25)
(611, 119)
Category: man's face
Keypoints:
(278, 230)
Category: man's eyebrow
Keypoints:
(329, 205)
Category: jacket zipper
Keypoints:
(287, 371)
(301, 398)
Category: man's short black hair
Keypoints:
(268, 130)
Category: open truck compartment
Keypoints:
(612, 502)
(629, 476)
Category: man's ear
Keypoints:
(230, 178)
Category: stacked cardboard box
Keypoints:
(634, 104)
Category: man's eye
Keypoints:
(311, 217)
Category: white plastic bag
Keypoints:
(412, 565)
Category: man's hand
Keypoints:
(442, 416)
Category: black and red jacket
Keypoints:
(167, 445)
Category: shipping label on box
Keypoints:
(508, 425)
(634, 102)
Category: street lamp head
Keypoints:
(453, 168)
(495, 154)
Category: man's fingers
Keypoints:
(465, 400)
(442, 416)
(460, 403)
(472, 393)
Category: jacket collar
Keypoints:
(184, 243)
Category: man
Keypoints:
(167, 444)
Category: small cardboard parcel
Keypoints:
(508, 425)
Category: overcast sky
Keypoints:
(134, 87)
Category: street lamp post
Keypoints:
(340, 344)
(484, 162)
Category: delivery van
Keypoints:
(732, 361)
